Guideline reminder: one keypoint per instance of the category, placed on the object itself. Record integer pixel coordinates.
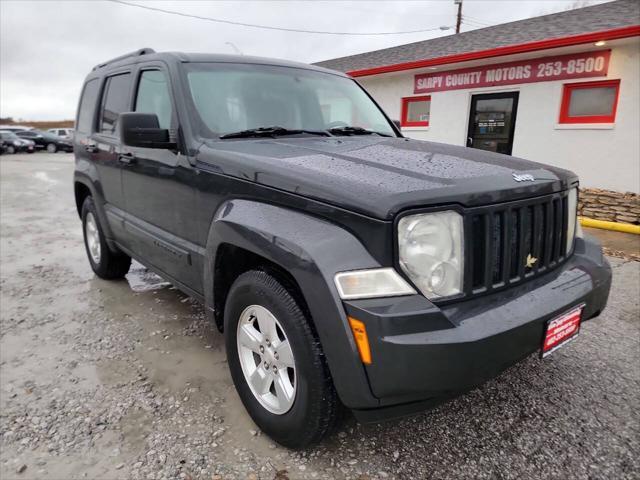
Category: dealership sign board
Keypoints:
(563, 67)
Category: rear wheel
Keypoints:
(104, 262)
(52, 148)
(11, 149)
(276, 362)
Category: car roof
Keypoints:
(148, 54)
(14, 127)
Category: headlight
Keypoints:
(431, 252)
(572, 204)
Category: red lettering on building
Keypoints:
(545, 69)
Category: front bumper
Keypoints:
(423, 354)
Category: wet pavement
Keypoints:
(619, 244)
(126, 379)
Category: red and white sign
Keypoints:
(560, 330)
(576, 65)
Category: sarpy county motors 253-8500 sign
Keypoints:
(578, 65)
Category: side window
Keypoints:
(115, 100)
(87, 106)
(153, 96)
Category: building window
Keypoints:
(590, 102)
(416, 111)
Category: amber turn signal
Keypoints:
(362, 341)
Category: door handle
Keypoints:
(127, 158)
(91, 148)
(469, 141)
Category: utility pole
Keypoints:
(459, 19)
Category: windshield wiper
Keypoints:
(272, 132)
(349, 130)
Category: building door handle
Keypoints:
(127, 158)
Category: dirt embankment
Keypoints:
(41, 125)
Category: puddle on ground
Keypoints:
(44, 176)
(141, 279)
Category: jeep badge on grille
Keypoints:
(524, 177)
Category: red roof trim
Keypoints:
(616, 33)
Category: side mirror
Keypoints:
(143, 130)
(397, 124)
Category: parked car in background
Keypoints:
(29, 145)
(14, 128)
(45, 140)
(66, 133)
(15, 144)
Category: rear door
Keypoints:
(91, 155)
(104, 144)
(159, 189)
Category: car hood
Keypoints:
(380, 176)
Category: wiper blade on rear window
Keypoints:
(349, 130)
(272, 132)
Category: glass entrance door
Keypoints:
(492, 121)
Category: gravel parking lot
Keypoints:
(126, 379)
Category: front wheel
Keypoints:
(276, 362)
(104, 262)
(11, 149)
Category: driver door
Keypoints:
(158, 189)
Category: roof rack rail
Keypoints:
(137, 53)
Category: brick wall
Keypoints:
(608, 205)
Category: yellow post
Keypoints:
(615, 226)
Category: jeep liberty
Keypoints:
(348, 267)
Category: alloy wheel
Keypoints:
(266, 359)
(93, 238)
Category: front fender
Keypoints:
(312, 251)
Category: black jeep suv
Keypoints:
(346, 265)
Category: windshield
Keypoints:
(232, 98)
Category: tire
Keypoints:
(11, 149)
(52, 148)
(104, 262)
(315, 405)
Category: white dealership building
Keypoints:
(562, 89)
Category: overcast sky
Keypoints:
(47, 47)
